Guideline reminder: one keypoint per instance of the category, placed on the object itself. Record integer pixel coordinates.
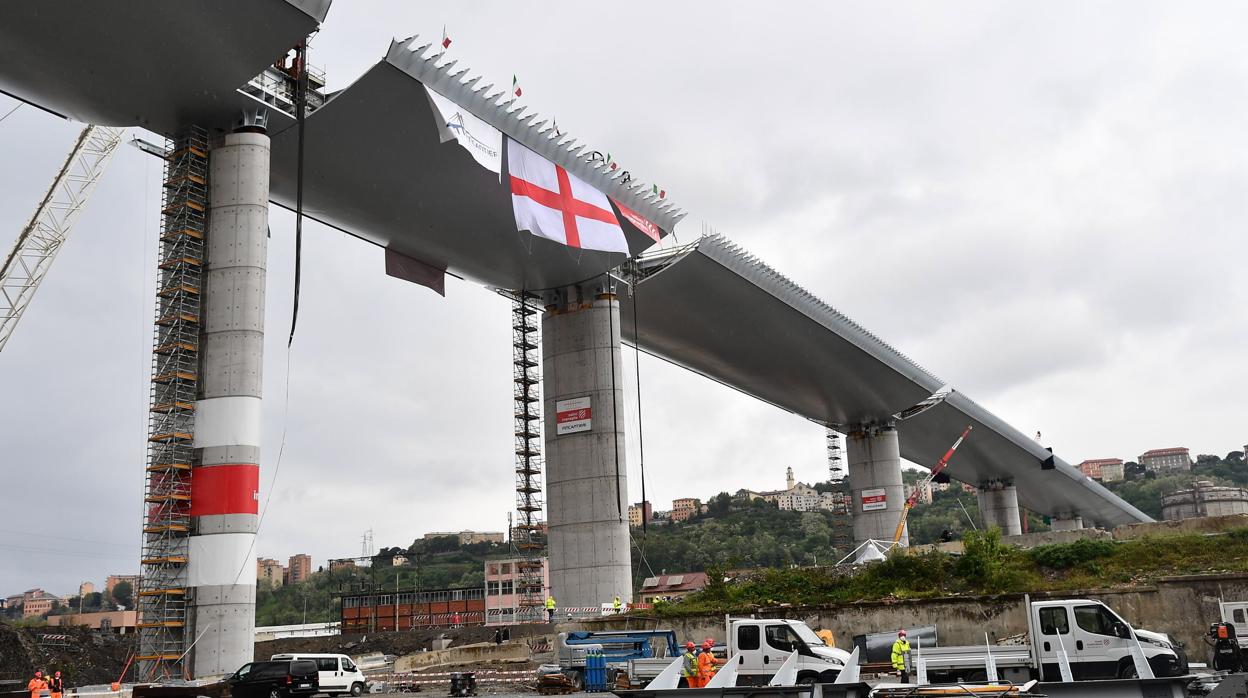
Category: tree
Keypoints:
(719, 505)
(92, 601)
(123, 593)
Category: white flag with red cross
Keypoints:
(551, 202)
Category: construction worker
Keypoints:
(56, 685)
(616, 604)
(550, 609)
(688, 667)
(707, 663)
(901, 655)
(37, 685)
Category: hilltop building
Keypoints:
(1162, 460)
(270, 572)
(640, 513)
(797, 496)
(299, 567)
(471, 537)
(1097, 468)
(685, 508)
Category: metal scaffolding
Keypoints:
(528, 536)
(163, 590)
(836, 466)
(842, 522)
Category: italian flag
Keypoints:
(515, 86)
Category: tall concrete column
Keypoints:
(586, 478)
(225, 482)
(874, 461)
(998, 506)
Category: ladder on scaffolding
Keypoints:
(528, 536)
(36, 247)
(163, 590)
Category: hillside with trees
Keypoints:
(1144, 489)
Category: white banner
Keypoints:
(573, 415)
(227, 421)
(222, 559)
(481, 140)
(873, 500)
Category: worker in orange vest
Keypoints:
(56, 685)
(707, 663)
(37, 685)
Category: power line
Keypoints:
(19, 106)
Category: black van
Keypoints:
(282, 679)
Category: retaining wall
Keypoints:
(1182, 607)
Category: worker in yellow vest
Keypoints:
(550, 609)
(616, 604)
(901, 653)
(689, 666)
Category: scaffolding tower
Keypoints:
(163, 592)
(842, 522)
(836, 466)
(528, 536)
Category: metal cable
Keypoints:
(641, 442)
(615, 413)
(301, 108)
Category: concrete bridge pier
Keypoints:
(998, 506)
(1066, 522)
(225, 482)
(874, 464)
(586, 477)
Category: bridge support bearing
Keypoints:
(874, 464)
(998, 506)
(225, 481)
(586, 478)
(1068, 522)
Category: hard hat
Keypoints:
(689, 645)
(901, 633)
(708, 643)
(58, 673)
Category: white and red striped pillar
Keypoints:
(225, 483)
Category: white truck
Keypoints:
(1236, 613)
(762, 644)
(1097, 643)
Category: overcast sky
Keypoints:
(1044, 204)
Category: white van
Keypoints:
(338, 675)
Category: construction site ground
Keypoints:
(415, 641)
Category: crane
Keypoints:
(918, 488)
(36, 247)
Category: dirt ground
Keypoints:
(398, 644)
(84, 657)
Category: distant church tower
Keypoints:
(788, 477)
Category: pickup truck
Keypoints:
(762, 645)
(1097, 643)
